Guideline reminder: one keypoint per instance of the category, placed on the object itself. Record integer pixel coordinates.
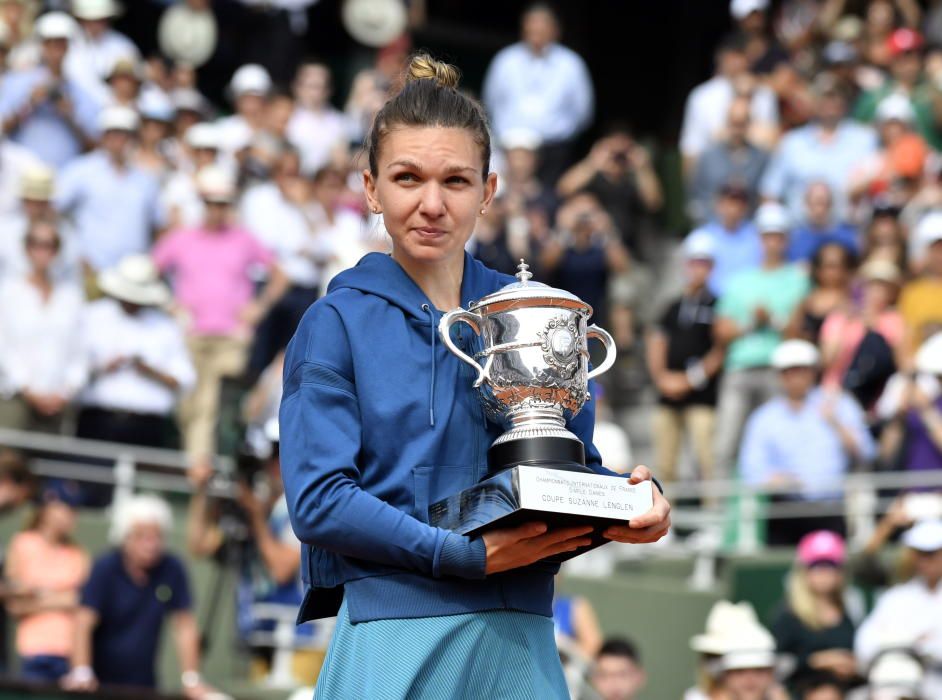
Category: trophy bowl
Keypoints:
(531, 361)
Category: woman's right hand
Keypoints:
(512, 548)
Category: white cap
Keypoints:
(118, 119)
(250, 79)
(188, 99)
(740, 9)
(55, 25)
(929, 356)
(156, 106)
(520, 138)
(896, 107)
(215, 184)
(929, 229)
(795, 353)
(772, 217)
(699, 245)
(924, 536)
(203, 135)
(95, 9)
(896, 671)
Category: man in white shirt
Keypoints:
(708, 104)
(910, 614)
(316, 127)
(136, 356)
(249, 87)
(15, 160)
(96, 47)
(540, 85)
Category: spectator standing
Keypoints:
(733, 157)
(803, 442)
(826, 150)
(919, 299)
(40, 323)
(832, 271)
(905, 49)
(910, 614)
(912, 406)
(618, 673)
(585, 252)
(45, 570)
(249, 88)
(180, 197)
(859, 347)
(211, 268)
(109, 228)
(751, 315)
(42, 107)
(813, 626)
(96, 46)
(540, 84)
(819, 226)
(619, 173)
(136, 357)
(131, 590)
(707, 107)
(684, 363)
(736, 243)
(316, 127)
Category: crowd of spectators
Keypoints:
(157, 251)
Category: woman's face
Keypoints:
(430, 189)
(59, 518)
(824, 579)
(42, 245)
(879, 294)
(833, 271)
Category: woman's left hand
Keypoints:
(648, 527)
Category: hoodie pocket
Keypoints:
(432, 483)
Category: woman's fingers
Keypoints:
(639, 474)
(659, 512)
(631, 535)
(569, 545)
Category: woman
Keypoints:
(40, 370)
(378, 421)
(832, 269)
(45, 570)
(874, 330)
(813, 625)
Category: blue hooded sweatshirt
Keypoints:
(378, 420)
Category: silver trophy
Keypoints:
(531, 360)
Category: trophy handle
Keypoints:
(594, 331)
(444, 331)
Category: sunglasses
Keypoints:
(41, 244)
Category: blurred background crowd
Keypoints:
(179, 181)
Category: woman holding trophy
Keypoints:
(379, 420)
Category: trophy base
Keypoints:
(553, 493)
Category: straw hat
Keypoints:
(136, 281)
(723, 616)
(37, 183)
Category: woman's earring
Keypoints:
(483, 211)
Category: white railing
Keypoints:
(286, 638)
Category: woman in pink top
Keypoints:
(45, 570)
(844, 328)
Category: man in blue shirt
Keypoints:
(826, 150)
(129, 593)
(43, 109)
(541, 85)
(820, 227)
(735, 240)
(113, 203)
(803, 442)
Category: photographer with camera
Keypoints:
(619, 173)
(43, 109)
(254, 534)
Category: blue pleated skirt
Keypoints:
(497, 654)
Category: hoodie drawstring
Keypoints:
(431, 391)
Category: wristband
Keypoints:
(190, 679)
(82, 674)
(697, 376)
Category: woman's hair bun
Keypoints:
(424, 67)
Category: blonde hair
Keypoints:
(801, 601)
(423, 67)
